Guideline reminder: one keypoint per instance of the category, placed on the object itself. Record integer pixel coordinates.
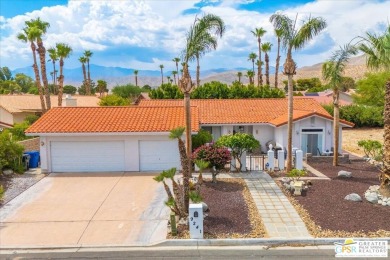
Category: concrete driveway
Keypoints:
(71, 209)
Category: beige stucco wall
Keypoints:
(6, 116)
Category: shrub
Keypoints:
(10, 153)
(18, 131)
(2, 191)
(217, 157)
(113, 100)
(296, 174)
(201, 138)
(372, 149)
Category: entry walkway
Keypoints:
(279, 216)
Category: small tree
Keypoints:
(201, 138)
(217, 157)
(238, 143)
(113, 100)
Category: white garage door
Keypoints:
(87, 156)
(158, 155)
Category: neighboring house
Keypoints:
(81, 139)
(15, 108)
(75, 139)
(266, 120)
(142, 96)
(326, 97)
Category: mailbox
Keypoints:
(195, 221)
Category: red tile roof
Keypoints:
(246, 111)
(113, 119)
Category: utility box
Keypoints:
(195, 220)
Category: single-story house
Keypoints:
(265, 119)
(15, 108)
(98, 139)
(136, 138)
(326, 97)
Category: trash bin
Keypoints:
(34, 158)
(26, 161)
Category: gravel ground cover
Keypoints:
(326, 212)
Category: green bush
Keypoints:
(2, 191)
(10, 153)
(113, 100)
(201, 138)
(18, 131)
(369, 116)
(372, 149)
(296, 174)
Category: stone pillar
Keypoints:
(271, 160)
(299, 160)
(281, 159)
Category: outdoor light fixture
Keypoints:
(329, 132)
(297, 132)
(42, 143)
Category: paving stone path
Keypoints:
(279, 216)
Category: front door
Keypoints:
(312, 141)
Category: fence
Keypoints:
(30, 144)
(256, 162)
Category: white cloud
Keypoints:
(160, 25)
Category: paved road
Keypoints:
(86, 209)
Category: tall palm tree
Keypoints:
(377, 49)
(88, 54)
(239, 75)
(278, 33)
(174, 73)
(162, 74)
(29, 34)
(207, 38)
(42, 27)
(252, 57)
(169, 79)
(83, 60)
(294, 39)
(136, 77)
(197, 35)
(258, 33)
(250, 74)
(332, 71)
(63, 51)
(266, 48)
(176, 61)
(53, 58)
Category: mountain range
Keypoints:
(119, 76)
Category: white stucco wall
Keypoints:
(264, 133)
(227, 130)
(131, 147)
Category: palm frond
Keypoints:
(309, 29)
(177, 132)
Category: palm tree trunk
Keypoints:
(84, 74)
(290, 123)
(38, 78)
(136, 80)
(88, 90)
(259, 66)
(189, 149)
(42, 58)
(197, 71)
(177, 70)
(336, 126)
(162, 77)
(253, 67)
(267, 68)
(239, 79)
(61, 83)
(385, 175)
(277, 64)
(174, 76)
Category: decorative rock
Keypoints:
(8, 172)
(371, 197)
(384, 203)
(374, 188)
(285, 180)
(353, 197)
(380, 201)
(388, 203)
(205, 207)
(344, 174)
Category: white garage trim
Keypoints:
(87, 156)
(158, 155)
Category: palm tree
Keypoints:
(83, 60)
(252, 57)
(88, 54)
(176, 61)
(266, 47)
(239, 75)
(42, 27)
(332, 71)
(197, 35)
(174, 73)
(169, 79)
(136, 77)
(377, 49)
(258, 33)
(294, 39)
(63, 51)
(29, 34)
(278, 33)
(162, 74)
(250, 74)
(207, 39)
(53, 58)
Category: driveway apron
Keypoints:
(73, 209)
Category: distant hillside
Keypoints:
(120, 76)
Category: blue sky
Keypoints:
(144, 34)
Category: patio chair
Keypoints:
(319, 152)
